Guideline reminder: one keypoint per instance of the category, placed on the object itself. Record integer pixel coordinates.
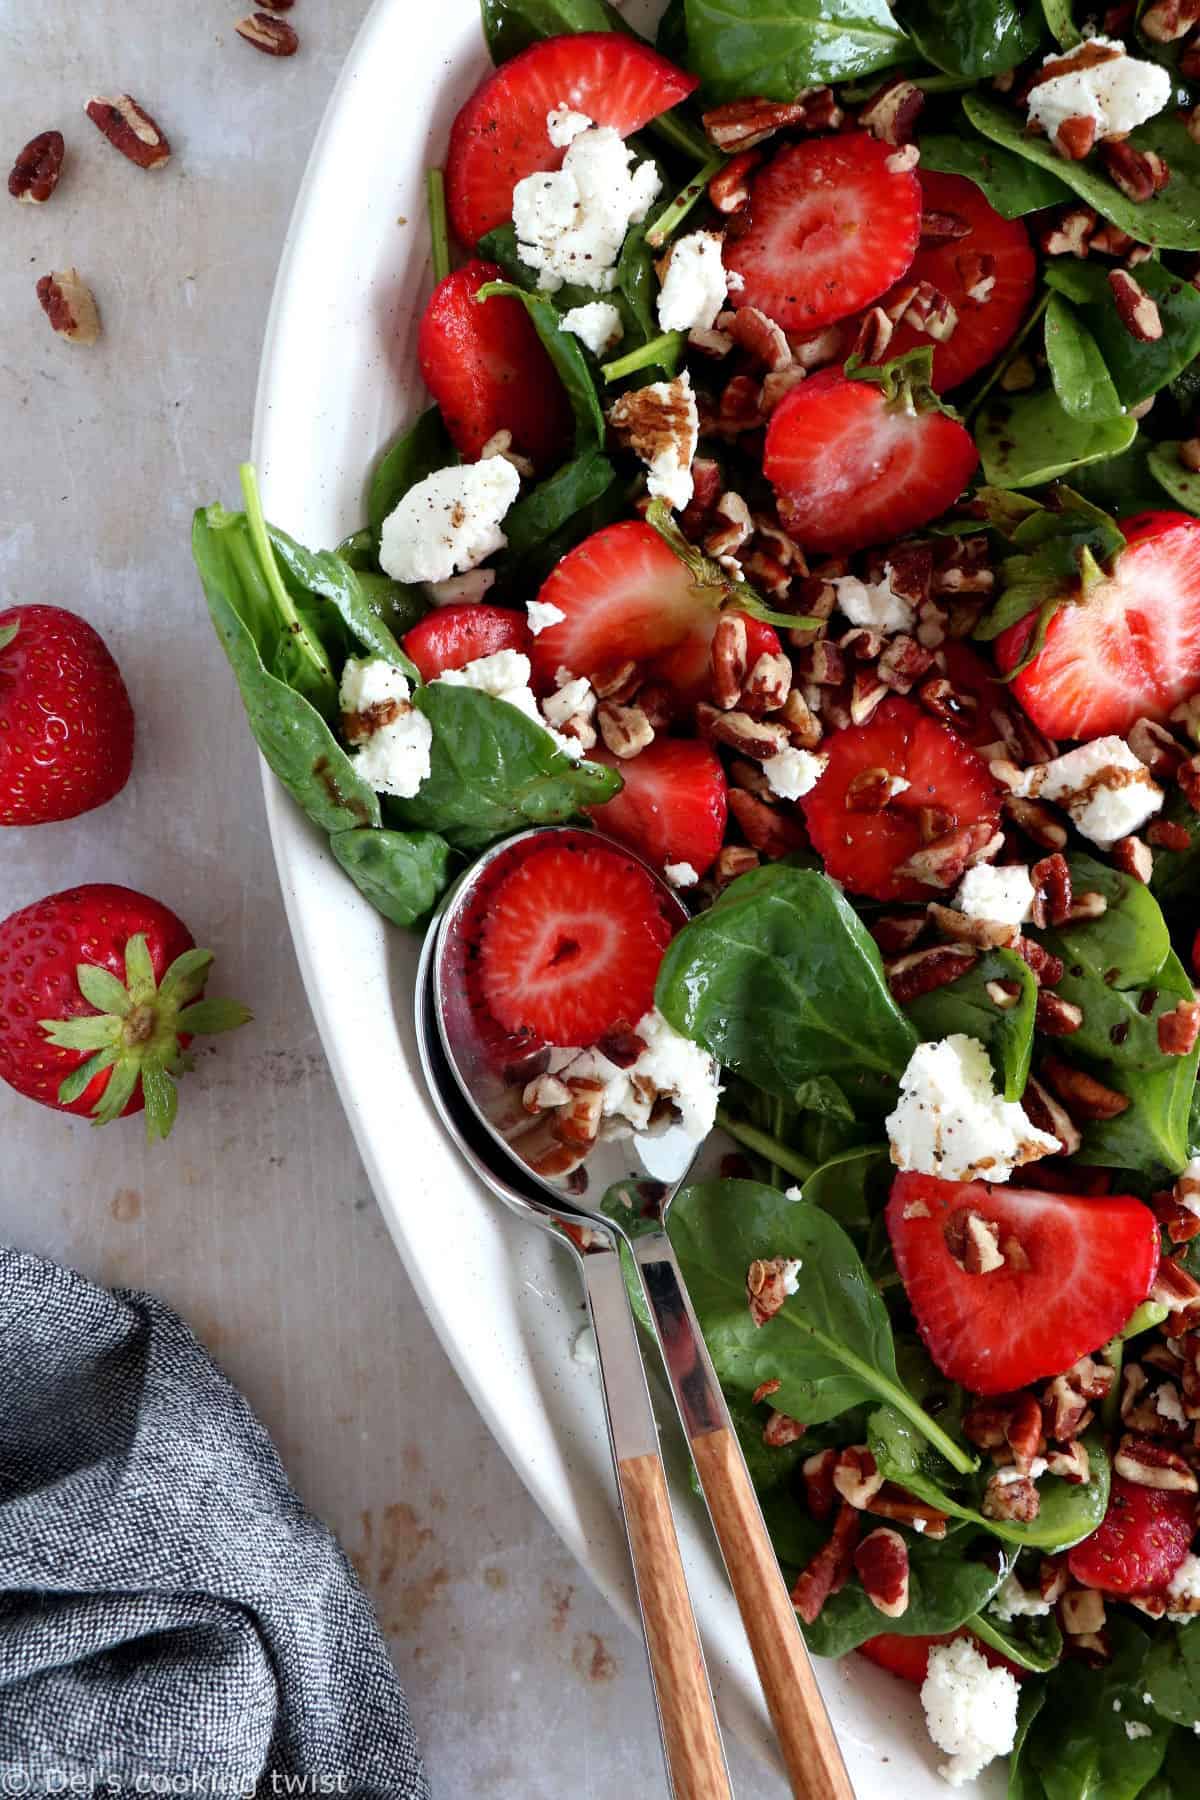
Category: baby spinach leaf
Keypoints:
(395, 603)
(1171, 221)
(546, 508)
(1062, 25)
(1176, 1779)
(1182, 485)
(974, 37)
(1122, 485)
(1176, 877)
(325, 574)
(493, 770)
(1138, 369)
(965, 1005)
(821, 1094)
(671, 37)
(1012, 185)
(946, 1587)
(742, 48)
(852, 1187)
(1058, 549)
(1172, 1674)
(1068, 1513)
(418, 452)
(402, 873)
(830, 1346)
(1023, 1784)
(1077, 369)
(565, 352)
(1026, 439)
(787, 984)
(1114, 967)
(512, 25)
(1036, 1644)
(290, 732)
(1079, 1745)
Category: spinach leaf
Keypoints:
(852, 1187)
(787, 984)
(418, 452)
(1138, 369)
(671, 37)
(565, 352)
(1012, 185)
(1077, 369)
(1068, 1513)
(946, 1588)
(1173, 1674)
(1122, 485)
(394, 603)
(974, 37)
(965, 1005)
(1036, 1646)
(1176, 1779)
(1062, 25)
(546, 508)
(493, 770)
(512, 25)
(1023, 1784)
(326, 574)
(1079, 1745)
(830, 1345)
(402, 873)
(742, 48)
(1059, 551)
(1113, 967)
(1026, 439)
(1171, 221)
(1176, 877)
(1182, 485)
(290, 732)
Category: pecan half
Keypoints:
(891, 114)
(1179, 1029)
(881, 1564)
(729, 188)
(68, 303)
(1133, 857)
(129, 129)
(780, 1430)
(819, 1490)
(829, 1570)
(1140, 174)
(923, 971)
(943, 862)
(625, 729)
(1075, 137)
(856, 1476)
(1045, 1113)
(1153, 1465)
(1057, 1017)
(1136, 309)
(38, 166)
(742, 124)
(1164, 21)
(1069, 233)
(728, 660)
(1082, 1093)
(758, 739)
(274, 37)
(759, 336)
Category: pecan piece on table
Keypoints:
(38, 166)
(68, 303)
(129, 129)
(274, 37)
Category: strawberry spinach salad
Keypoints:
(810, 502)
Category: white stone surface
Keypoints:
(256, 1220)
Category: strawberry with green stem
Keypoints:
(101, 992)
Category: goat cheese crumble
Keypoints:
(390, 740)
(574, 699)
(1012, 1601)
(571, 222)
(694, 288)
(1185, 1585)
(670, 1064)
(793, 773)
(1102, 785)
(970, 1709)
(505, 675)
(951, 1122)
(681, 875)
(1118, 94)
(597, 324)
(874, 604)
(450, 522)
(541, 614)
(1002, 895)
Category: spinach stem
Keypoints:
(929, 84)
(763, 1144)
(282, 600)
(681, 135)
(669, 343)
(776, 1132)
(439, 234)
(672, 216)
(1012, 352)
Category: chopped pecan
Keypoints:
(1164, 21)
(984, 934)
(1174, 1287)
(867, 694)
(780, 1431)
(892, 112)
(930, 311)
(1053, 1578)
(274, 37)
(776, 384)
(902, 159)
(1037, 821)
(1086, 1097)
(985, 1423)
(1136, 309)
(129, 129)
(881, 1564)
(1057, 1017)
(1047, 968)
(1045, 1113)
(943, 227)
(759, 336)
(819, 1490)
(768, 1283)
(1070, 1463)
(68, 303)
(1134, 858)
(1075, 137)
(1154, 745)
(1051, 877)
(1179, 1028)
(804, 727)
(1003, 995)
(1165, 834)
(1024, 1431)
(1188, 777)
(856, 1476)
(728, 659)
(36, 171)
(765, 1389)
(742, 124)
(768, 684)
(758, 739)
(822, 663)
(1065, 1412)
(896, 932)
(874, 335)
(625, 729)
(821, 111)
(924, 971)
(729, 188)
(829, 1570)
(977, 272)
(942, 863)
(1140, 174)
(773, 831)
(732, 527)
(1068, 233)
(903, 662)
(1081, 1611)
(1009, 1495)
(871, 789)
(734, 860)
(941, 698)
(618, 683)
(892, 1502)
(1153, 1465)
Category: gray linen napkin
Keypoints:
(172, 1621)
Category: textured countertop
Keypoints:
(256, 1221)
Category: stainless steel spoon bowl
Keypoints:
(810, 1752)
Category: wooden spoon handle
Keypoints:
(810, 1751)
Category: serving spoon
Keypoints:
(810, 1751)
(687, 1720)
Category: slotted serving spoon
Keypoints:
(806, 1738)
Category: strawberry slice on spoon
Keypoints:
(499, 137)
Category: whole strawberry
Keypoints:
(66, 724)
(100, 995)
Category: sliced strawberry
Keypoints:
(851, 468)
(994, 249)
(449, 637)
(969, 674)
(484, 364)
(673, 806)
(1087, 1264)
(908, 1657)
(500, 135)
(1131, 649)
(626, 597)
(572, 942)
(1139, 1543)
(864, 849)
(829, 227)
